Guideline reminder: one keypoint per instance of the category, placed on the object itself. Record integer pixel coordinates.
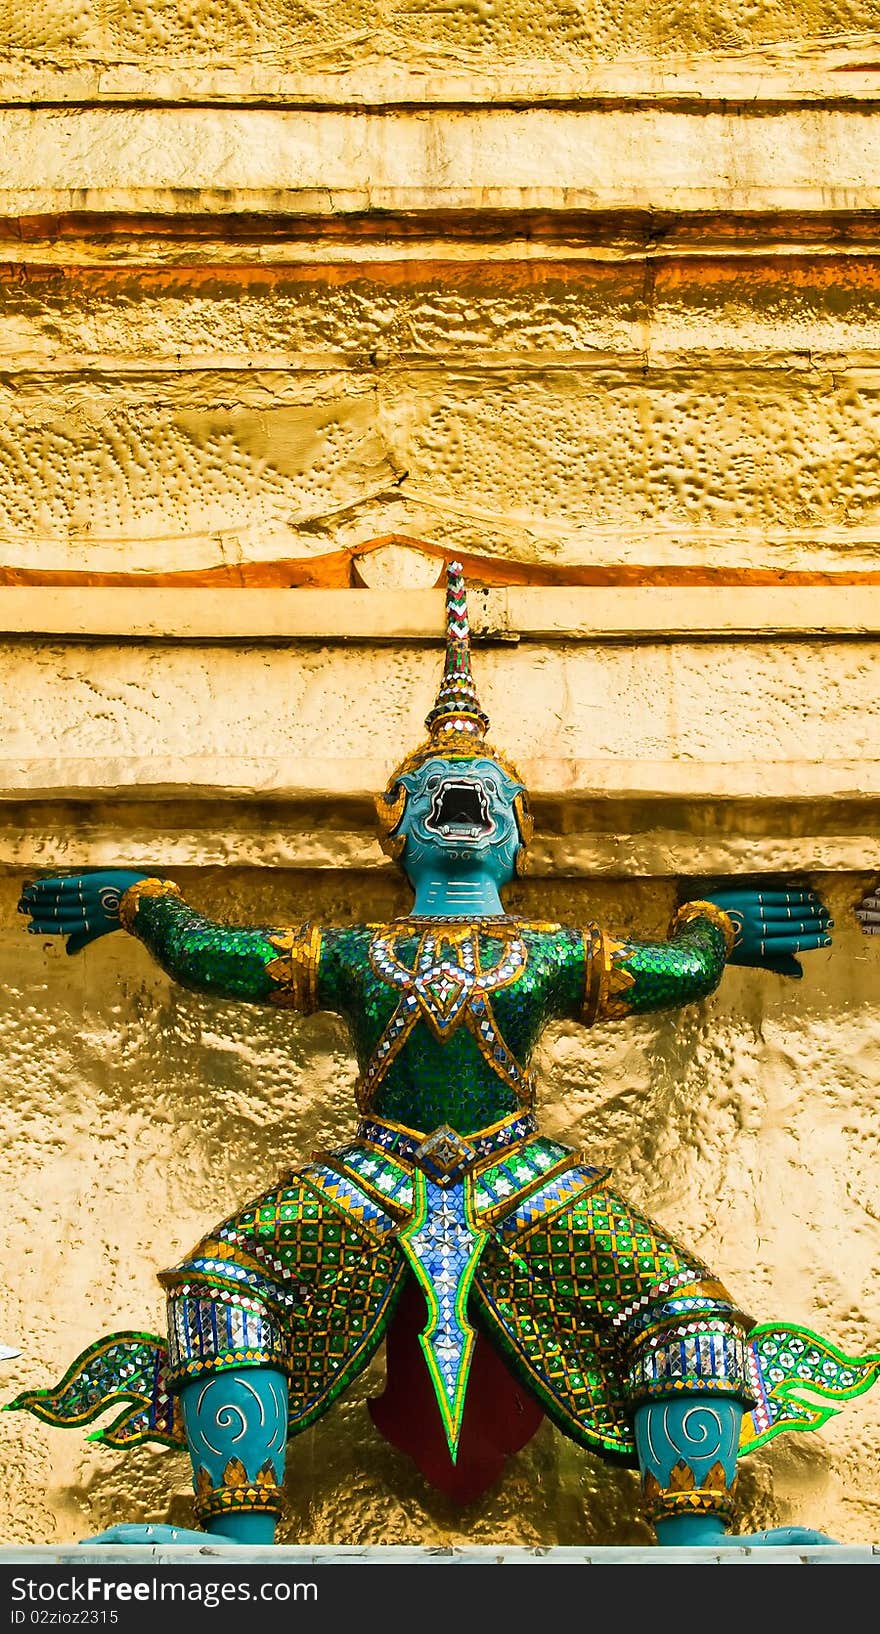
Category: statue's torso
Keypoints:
(445, 1014)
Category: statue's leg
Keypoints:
(235, 1419)
(236, 1430)
(687, 1449)
(270, 1318)
(632, 1346)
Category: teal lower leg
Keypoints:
(687, 1451)
(236, 1431)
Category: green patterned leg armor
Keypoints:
(289, 1282)
(597, 1309)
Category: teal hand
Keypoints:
(81, 907)
(773, 924)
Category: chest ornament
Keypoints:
(444, 983)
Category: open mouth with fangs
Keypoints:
(460, 811)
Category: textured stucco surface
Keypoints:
(136, 1114)
(808, 702)
(471, 32)
(722, 412)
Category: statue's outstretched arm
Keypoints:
(259, 965)
(627, 976)
(766, 929)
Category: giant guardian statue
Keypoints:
(510, 1278)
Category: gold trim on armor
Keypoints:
(451, 934)
(130, 899)
(415, 923)
(732, 1322)
(238, 1494)
(485, 1161)
(497, 1211)
(684, 1497)
(605, 980)
(593, 968)
(705, 910)
(294, 974)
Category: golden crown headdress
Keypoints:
(457, 724)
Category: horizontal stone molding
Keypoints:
(317, 779)
(213, 237)
(844, 79)
(773, 467)
(577, 613)
(79, 50)
(268, 160)
(614, 838)
(752, 718)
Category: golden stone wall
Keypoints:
(294, 303)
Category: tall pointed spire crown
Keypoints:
(457, 716)
(457, 727)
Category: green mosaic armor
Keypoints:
(444, 1016)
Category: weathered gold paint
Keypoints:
(470, 34)
(717, 416)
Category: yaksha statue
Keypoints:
(509, 1277)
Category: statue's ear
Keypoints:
(526, 825)
(390, 807)
(393, 845)
(524, 819)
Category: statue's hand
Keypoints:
(868, 913)
(81, 907)
(774, 924)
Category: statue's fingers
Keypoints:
(870, 915)
(796, 928)
(33, 896)
(794, 897)
(820, 919)
(48, 893)
(58, 919)
(71, 889)
(808, 942)
(805, 914)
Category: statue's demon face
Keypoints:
(460, 816)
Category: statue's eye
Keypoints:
(490, 785)
(433, 783)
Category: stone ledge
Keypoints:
(330, 163)
(571, 613)
(298, 1555)
(574, 781)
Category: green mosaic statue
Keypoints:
(508, 1276)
